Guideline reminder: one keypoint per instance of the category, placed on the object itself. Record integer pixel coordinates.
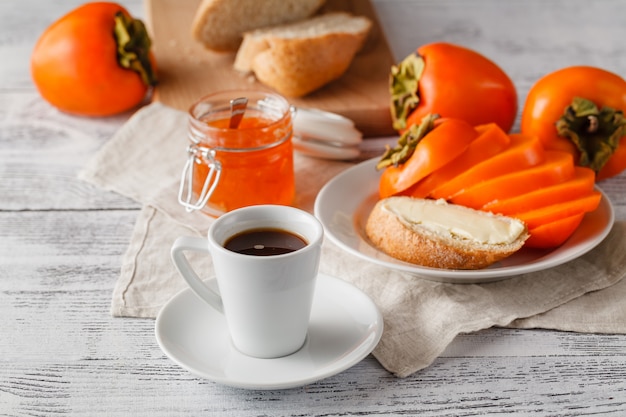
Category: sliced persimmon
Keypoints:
(523, 152)
(554, 212)
(557, 167)
(447, 140)
(491, 140)
(555, 233)
(580, 185)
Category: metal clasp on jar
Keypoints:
(198, 155)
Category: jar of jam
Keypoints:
(239, 155)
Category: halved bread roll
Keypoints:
(436, 234)
(298, 58)
(220, 24)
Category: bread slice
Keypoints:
(220, 24)
(436, 234)
(298, 58)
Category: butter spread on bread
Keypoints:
(437, 234)
(453, 221)
(298, 58)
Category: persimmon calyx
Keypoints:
(595, 132)
(133, 47)
(403, 84)
(407, 143)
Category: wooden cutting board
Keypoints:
(188, 71)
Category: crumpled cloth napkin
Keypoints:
(144, 161)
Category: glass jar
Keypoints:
(232, 167)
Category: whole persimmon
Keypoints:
(453, 82)
(580, 109)
(94, 61)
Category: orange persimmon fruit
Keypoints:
(452, 81)
(580, 185)
(523, 152)
(553, 234)
(491, 141)
(580, 109)
(556, 168)
(94, 61)
(440, 145)
(554, 212)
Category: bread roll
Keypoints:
(436, 234)
(220, 24)
(298, 58)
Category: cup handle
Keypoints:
(195, 244)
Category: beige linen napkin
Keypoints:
(144, 160)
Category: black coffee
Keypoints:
(264, 242)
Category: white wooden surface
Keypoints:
(61, 242)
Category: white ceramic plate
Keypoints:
(345, 327)
(345, 202)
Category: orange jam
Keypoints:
(255, 159)
(250, 176)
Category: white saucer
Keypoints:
(345, 327)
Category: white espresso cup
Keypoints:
(266, 299)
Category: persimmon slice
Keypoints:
(556, 168)
(442, 144)
(580, 185)
(523, 152)
(491, 140)
(555, 233)
(554, 212)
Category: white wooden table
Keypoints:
(61, 241)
